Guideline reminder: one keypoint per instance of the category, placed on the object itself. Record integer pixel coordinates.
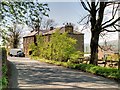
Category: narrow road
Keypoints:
(38, 75)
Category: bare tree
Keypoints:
(96, 11)
(12, 36)
(48, 23)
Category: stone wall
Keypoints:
(80, 41)
(26, 42)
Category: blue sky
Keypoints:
(63, 12)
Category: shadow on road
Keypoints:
(34, 74)
(58, 76)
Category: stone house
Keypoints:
(31, 37)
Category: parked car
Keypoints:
(16, 52)
(20, 54)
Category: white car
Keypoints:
(14, 52)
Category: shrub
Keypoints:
(60, 47)
(4, 79)
(75, 56)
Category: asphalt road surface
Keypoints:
(32, 74)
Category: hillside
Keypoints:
(114, 44)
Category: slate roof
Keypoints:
(31, 34)
(35, 33)
(46, 32)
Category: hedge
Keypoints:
(4, 79)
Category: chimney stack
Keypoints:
(51, 28)
(69, 28)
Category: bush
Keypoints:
(59, 48)
(62, 46)
(4, 78)
(75, 56)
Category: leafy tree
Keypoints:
(37, 49)
(35, 13)
(48, 23)
(60, 47)
(96, 10)
(27, 12)
(12, 12)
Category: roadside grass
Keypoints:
(4, 77)
(111, 73)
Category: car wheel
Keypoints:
(11, 55)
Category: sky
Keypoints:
(62, 11)
(71, 12)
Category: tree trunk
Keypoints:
(94, 48)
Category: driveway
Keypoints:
(38, 75)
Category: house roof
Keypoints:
(61, 30)
(32, 33)
(46, 32)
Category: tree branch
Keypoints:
(97, 4)
(112, 23)
(84, 6)
(88, 4)
(84, 18)
(113, 15)
(117, 25)
(101, 13)
(111, 30)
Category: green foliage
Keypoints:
(14, 12)
(60, 47)
(35, 13)
(113, 57)
(4, 77)
(37, 49)
(75, 56)
(34, 49)
(4, 67)
(103, 71)
(20, 11)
